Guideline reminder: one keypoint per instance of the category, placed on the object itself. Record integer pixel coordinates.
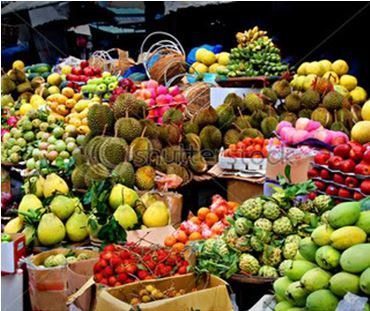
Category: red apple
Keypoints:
(97, 71)
(358, 196)
(347, 166)
(356, 152)
(365, 186)
(334, 162)
(344, 193)
(342, 150)
(331, 190)
(351, 182)
(76, 70)
(322, 158)
(338, 178)
(362, 168)
(84, 64)
(88, 71)
(313, 172)
(325, 174)
(339, 140)
(320, 185)
(366, 156)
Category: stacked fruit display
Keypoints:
(323, 71)
(305, 129)
(207, 61)
(39, 137)
(256, 55)
(81, 73)
(209, 222)
(160, 99)
(37, 70)
(335, 261)
(248, 148)
(103, 86)
(50, 224)
(343, 174)
(124, 86)
(64, 259)
(120, 265)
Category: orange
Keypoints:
(170, 240)
(181, 236)
(211, 218)
(195, 236)
(179, 247)
(233, 205)
(195, 220)
(70, 103)
(202, 213)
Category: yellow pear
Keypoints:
(302, 69)
(156, 215)
(325, 65)
(365, 112)
(361, 132)
(358, 95)
(130, 196)
(76, 226)
(340, 67)
(348, 81)
(331, 76)
(50, 230)
(116, 196)
(54, 184)
(126, 216)
(63, 206)
(29, 202)
(15, 225)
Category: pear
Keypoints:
(126, 216)
(76, 226)
(54, 184)
(130, 196)
(116, 196)
(63, 206)
(149, 198)
(156, 215)
(29, 202)
(39, 186)
(14, 226)
(50, 230)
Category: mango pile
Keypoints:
(335, 260)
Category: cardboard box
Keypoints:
(212, 295)
(49, 286)
(12, 291)
(218, 94)
(239, 191)
(11, 252)
(150, 236)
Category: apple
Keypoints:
(366, 156)
(358, 196)
(362, 168)
(313, 172)
(334, 162)
(365, 186)
(320, 185)
(76, 70)
(347, 166)
(356, 152)
(338, 178)
(342, 150)
(325, 174)
(84, 64)
(331, 190)
(322, 158)
(351, 182)
(88, 71)
(344, 193)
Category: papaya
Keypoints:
(364, 221)
(344, 214)
(356, 258)
(348, 236)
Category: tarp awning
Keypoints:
(173, 6)
(17, 6)
(46, 14)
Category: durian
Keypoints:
(339, 126)
(292, 102)
(190, 127)
(159, 163)
(269, 95)
(197, 163)
(192, 142)
(310, 99)
(225, 115)
(206, 116)
(7, 85)
(243, 122)
(268, 126)
(128, 128)
(233, 100)
(128, 105)
(170, 134)
(323, 116)
(305, 113)
(156, 143)
(144, 177)
(231, 137)
(250, 132)
(125, 173)
(173, 115)
(91, 150)
(281, 88)
(100, 119)
(112, 151)
(333, 100)
(151, 129)
(78, 176)
(288, 116)
(210, 137)
(140, 151)
(174, 154)
(178, 170)
(252, 102)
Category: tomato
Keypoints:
(257, 148)
(232, 147)
(84, 64)
(247, 141)
(108, 271)
(259, 141)
(112, 280)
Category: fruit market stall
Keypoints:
(184, 182)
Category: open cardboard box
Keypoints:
(11, 252)
(211, 295)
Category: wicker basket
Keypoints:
(249, 279)
(198, 97)
(105, 61)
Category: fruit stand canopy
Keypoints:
(17, 6)
(173, 6)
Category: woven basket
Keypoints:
(198, 97)
(248, 279)
(106, 62)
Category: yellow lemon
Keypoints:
(66, 69)
(54, 79)
(18, 64)
(361, 132)
(198, 68)
(325, 65)
(358, 95)
(302, 69)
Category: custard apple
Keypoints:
(323, 202)
(243, 225)
(271, 210)
(263, 223)
(252, 208)
(256, 244)
(290, 250)
(249, 264)
(282, 226)
(295, 215)
(271, 255)
(268, 272)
